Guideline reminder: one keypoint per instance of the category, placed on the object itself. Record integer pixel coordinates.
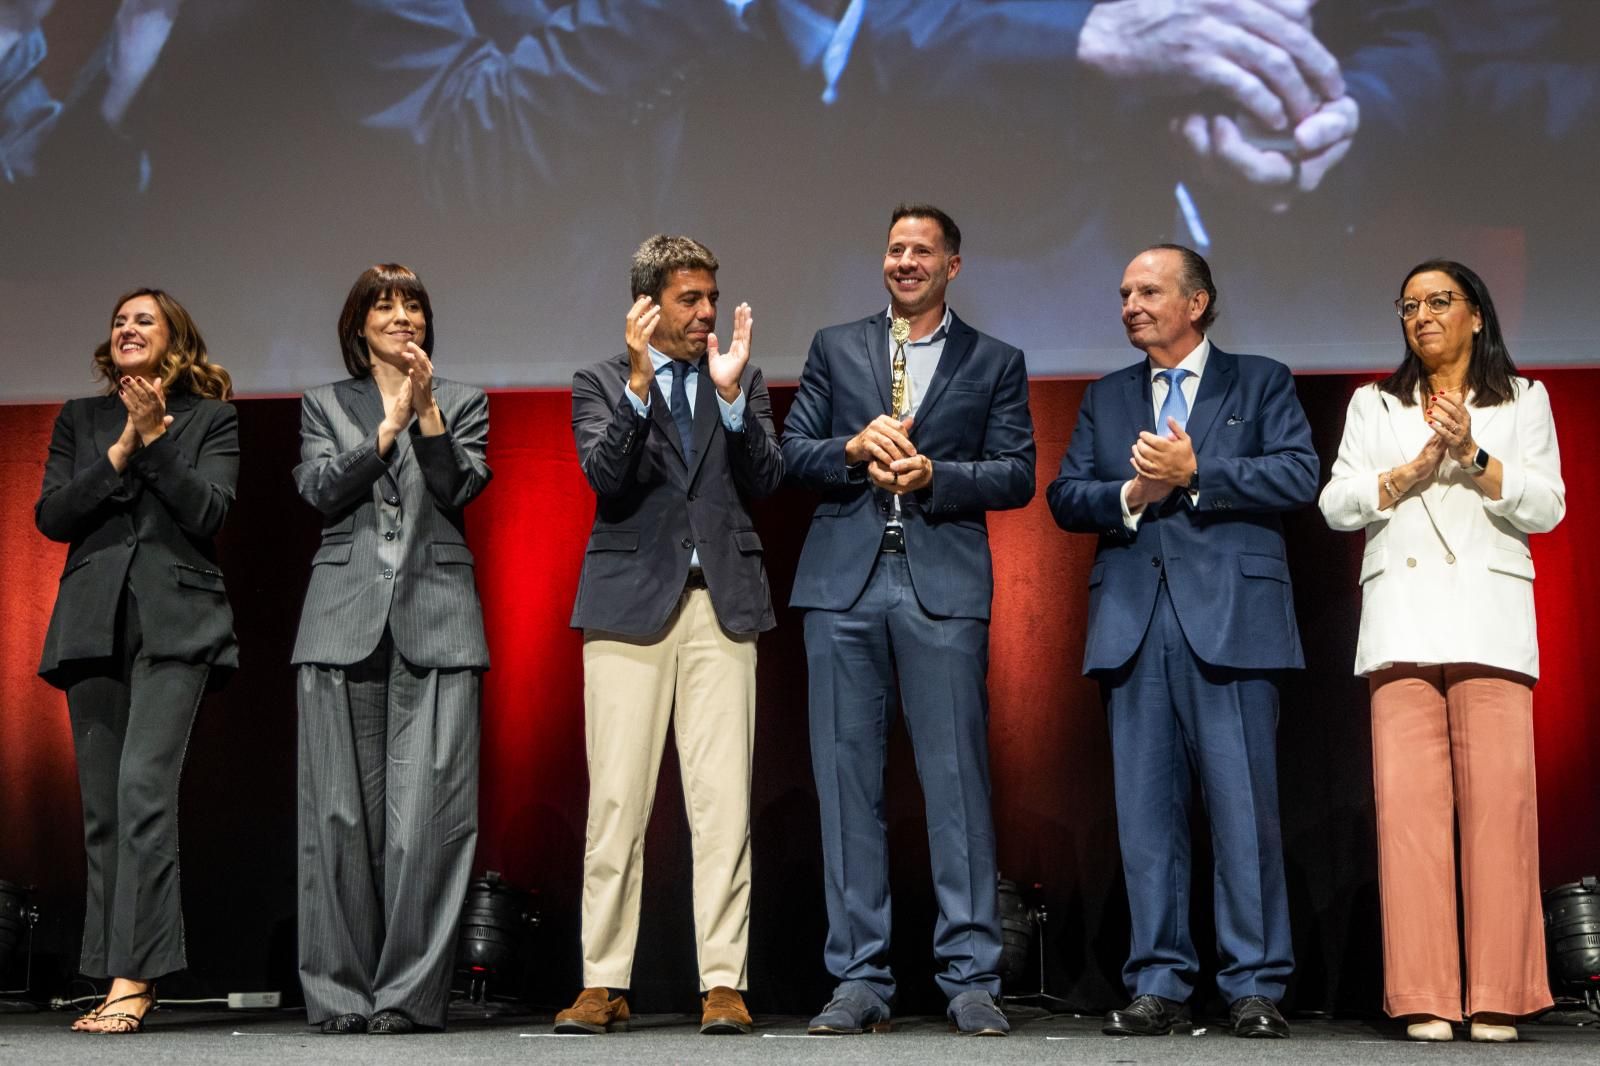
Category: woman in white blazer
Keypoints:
(1448, 464)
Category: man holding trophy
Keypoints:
(912, 425)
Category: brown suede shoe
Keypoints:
(724, 1013)
(594, 1012)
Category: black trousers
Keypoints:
(131, 717)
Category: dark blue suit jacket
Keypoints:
(973, 423)
(1223, 555)
(653, 511)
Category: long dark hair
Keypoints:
(1490, 372)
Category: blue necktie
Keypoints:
(1174, 406)
(680, 408)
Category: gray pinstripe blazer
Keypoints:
(394, 547)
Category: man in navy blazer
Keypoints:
(675, 438)
(913, 426)
(1181, 463)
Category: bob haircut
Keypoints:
(1490, 372)
(376, 282)
(186, 366)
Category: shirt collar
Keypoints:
(660, 362)
(1194, 362)
(937, 335)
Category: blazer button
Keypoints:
(388, 534)
(391, 500)
(1155, 560)
(1410, 561)
(388, 574)
(691, 497)
(129, 541)
(688, 543)
(1450, 558)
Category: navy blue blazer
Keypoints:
(653, 511)
(1223, 554)
(973, 423)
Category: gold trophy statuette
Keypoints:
(899, 398)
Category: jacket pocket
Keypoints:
(1268, 566)
(747, 541)
(78, 564)
(451, 553)
(828, 507)
(1510, 561)
(1373, 563)
(614, 540)
(195, 578)
(1097, 573)
(333, 553)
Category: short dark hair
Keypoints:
(659, 256)
(377, 281)
(947, 225)
(1194, 275)
(1489, 371)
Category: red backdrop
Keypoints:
(1052, 793)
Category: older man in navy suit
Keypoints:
(913, 426)
(1182, 464)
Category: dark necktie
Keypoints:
(680, 408)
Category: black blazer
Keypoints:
(148, 529)
(653, 511)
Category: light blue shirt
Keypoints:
(1195, 364)
(922, 357)
(732, 413)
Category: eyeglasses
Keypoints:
(1438, 303)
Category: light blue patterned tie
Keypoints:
(1174, 406)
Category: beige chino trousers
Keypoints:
(701, 680)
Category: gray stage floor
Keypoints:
(281, 1038)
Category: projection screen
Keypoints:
(253, 157)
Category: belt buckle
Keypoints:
(894, 540)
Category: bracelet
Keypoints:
(1387, 480)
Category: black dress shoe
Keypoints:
(344, 1024)
(1146, 1016)
(1257, 1016)
(393, 1023)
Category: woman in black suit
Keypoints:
(137, 482)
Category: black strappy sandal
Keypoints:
(127, 1023)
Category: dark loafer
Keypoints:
(343, 1024)
(392, 1023)
(1257, 1016)
(855, 1008)
(1146, 1016)
(975, 1013)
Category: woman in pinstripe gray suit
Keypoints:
(390, 653)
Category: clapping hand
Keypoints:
(725, 368)
(643, 317)
(146, 404)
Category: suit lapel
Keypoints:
(1216, 385)
(877, 348)
(707, 414)
(1136, 399)
(958, 344)
(661, 415)
(109, 418)
(363, 405)
(181, 407)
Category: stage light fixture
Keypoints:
(1572, 939)
(497, 920)
(1021, 934)
(17, 919)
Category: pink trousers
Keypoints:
(1452, 746)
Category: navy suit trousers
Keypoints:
(1172, 717)
(942, 663)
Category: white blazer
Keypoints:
(1446, 576)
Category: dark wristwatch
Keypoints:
(1480, 462)
(1194, 481)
